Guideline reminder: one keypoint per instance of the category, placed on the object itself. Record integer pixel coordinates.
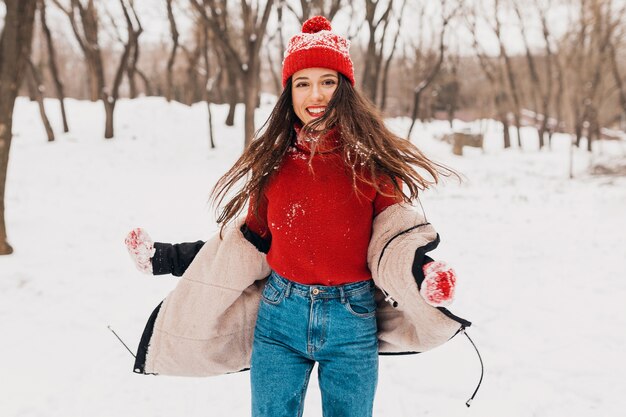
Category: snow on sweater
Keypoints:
(319, 228)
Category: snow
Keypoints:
(541, 262)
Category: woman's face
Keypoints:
(311, 90)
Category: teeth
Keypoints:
(316, 111)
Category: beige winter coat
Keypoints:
(205, 325)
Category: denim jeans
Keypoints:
(299, 325)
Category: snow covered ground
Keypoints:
(541, 260)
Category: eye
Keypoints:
(329, 81)
(301, 84)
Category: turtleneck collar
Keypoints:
(330, 142)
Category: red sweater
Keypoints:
(319, 228)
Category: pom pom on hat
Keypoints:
(317, 47)
(316, 24)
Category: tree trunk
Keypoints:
(231, 95)
(15, 43)
(374, 52)
(509, 73)
(578, 130)
(541, 132)
(500, 98)
(146, 82)
(133, 43)
(208, 82)
(211, 141)
(132, 69)
(109, 107)
(94, 85)
(368, 83)
(36, 87)
(385, 74)
(192, 85)
(505, 129)
(254, 29)
(416, 106)
(110, 100)
(52, 63)
(251, 94)
(172, 58)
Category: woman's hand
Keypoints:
(439, 284)
(141, 249)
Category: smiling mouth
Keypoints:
(316, 111)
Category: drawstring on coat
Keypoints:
(122, 342)
(482, 368)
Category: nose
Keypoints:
(316, 93)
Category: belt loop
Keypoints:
(343, 295)
(288, 290)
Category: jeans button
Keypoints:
(315, 291)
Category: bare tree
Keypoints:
(451, 88)
(385, 76)
(274, 69)
(553, 65)
(588, 51)
(495, 76)
(254, 20)
(85, 28)
(221, 19)
(134, 32)
(573, 46)
(512, 83)
(193, 90)
(617, 76)
(199, 81)
(109, 99)
(35, 85)
(376, 23)
(86, 31)
(208, 82)
(429, 77)
(541, 91)
(310, 8)
(172, 57)
(52, 62)
(15, 44)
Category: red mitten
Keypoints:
(437, 289)
(141, 249)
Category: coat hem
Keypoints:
(144, 343)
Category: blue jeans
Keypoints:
(299, 325)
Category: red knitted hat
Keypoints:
(317, 46)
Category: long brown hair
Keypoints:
(370, 150)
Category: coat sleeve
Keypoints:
(174, 258)
(205, 325)
(401, 237)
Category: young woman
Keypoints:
(329, 266)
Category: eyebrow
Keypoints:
(325, 75)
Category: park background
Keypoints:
(118, 114)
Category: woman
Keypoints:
(328, 238)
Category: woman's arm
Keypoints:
(158, 258)
(174, 258)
